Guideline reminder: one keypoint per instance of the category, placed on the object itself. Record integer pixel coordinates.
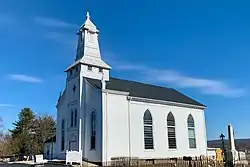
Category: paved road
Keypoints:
(25, 165)
(14, 165)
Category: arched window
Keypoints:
(62, 135)
(75, 117)
(93, 130)
(171, 131)
(191, 131)
(148, 130)
(72, 118)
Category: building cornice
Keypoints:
(169, 103)
(79, 62)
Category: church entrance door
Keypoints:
(72, 146)
(72, 143)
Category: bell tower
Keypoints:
(87, 64)
(88, 56)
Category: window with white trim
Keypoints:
(191, 131)
(72, 118)
(148, 130)
(75, 121)
(63, 135)
(171, 131)
(93, 130)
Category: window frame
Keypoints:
(72, 118)
(191, 128)
(63, 135)
(93, 131)
(148, 130)
(75, 118)
(171, 125)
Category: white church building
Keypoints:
(123, 118)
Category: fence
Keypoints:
(133, 162)
(168, 163)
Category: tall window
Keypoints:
(75, 117)
(72, 118)
(148, 130)
(62, 135)
(171, 131)
(191, 131)
(93, 130)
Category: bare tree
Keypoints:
(1, 128)
(5, 143)
(1, 124)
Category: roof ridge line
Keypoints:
(144, 83)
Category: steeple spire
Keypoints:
(87, 15)
(88, 51)
(89, 25)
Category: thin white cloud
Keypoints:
(131, 67)
(6, 105)
(68, 40)
(206, 86)
(25, 78)
(51, 22)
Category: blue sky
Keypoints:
(199, 48)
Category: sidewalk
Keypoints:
(21, 162)
(26, 162)
(61, 162)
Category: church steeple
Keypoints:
(88, 51)
(88, 25)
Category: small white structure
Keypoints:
(233, 155)
(73, 156)
(39, 160)
(211, 153)
(232, 152)
(122, 118)
(242, 156)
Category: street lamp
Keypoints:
(222, 136)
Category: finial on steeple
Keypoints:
(87, 15)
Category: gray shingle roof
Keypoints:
(137, 89)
